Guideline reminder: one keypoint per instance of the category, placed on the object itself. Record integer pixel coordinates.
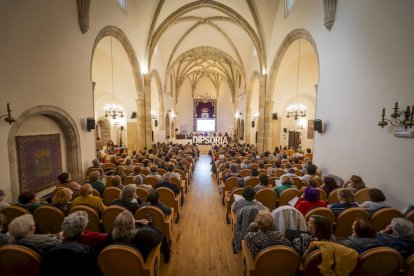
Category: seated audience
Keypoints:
(96, 183)
(329, 184)
(290, 172)
(128, 164)
(167, 184)
(65, 180)
(119, 170)
(116, 181)
(3, 204)
(377, 201)
(62, 199)
(319, 229)
(234, 172)
(287, 219)
(22, 231)
(154, 199)
(355, 183)
(4, 238)
(128, 199)
(363, 236)
(139, 182)
(170, 169)
(154, 173)
(286, 182)
(399, 235)
(240, 184)
(86, 198)
(261, 234)
(28, 201)
(310, 172)
(310, 200)
(255, 173)
(346, 200)
(264, 183)
(248, 200)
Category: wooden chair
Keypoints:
(378, 261)
(252, 182)
(409, 266)
(162, 223)
(333, 197)
(13, 211)
(230, 200)
(254, 166)
(110, 166)
(124, 260)
(311, 263)
(108, 182)
(382, 217)
(297, 182)
(274, 260)
(245, 172)
(362, 195)
(181, 185)
(95, 192)
(297, 166)
(93, 217)
(279, 172)
(48, 219)
(263, 171)
(183, 176)
(321, 211)
(410, 215)
(142, 193)
(145, 172)
(322, 194)
(161, 171)
(109, 216)
(345, 220)
(127, 171)
(17, 260)
(168, 197)
(129, 180)
(110, 194)
(151, 180)
(228, 186)
(272, 180)
(298, 173)
(287, 195)
(267, 197)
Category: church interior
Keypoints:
(331, 77)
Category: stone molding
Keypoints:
(83, 15)
(329, 7)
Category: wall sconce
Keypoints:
(237, 115)
(172, 114)
(154, 116)
(8, 118)
(406, 122)
(255, 117)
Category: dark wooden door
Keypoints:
(294, 139)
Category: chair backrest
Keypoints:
(230, 183)
(345, 220)
(161, 171)
(166, 196)
(252, 182)
(410, 215)
(129, 180)
(362, 195)
(13, 211)
(109, 216)
(254, 166)
(245, 172)
(297, 166)
(142, 193)
(181, 172)
(93, 217)
(49, 219)
(263, 171)
(151, 180)
(272, 180)
(287, 195)
(297, 182)
(127, 171)
(120, 260)
(17, 260)
(95, 192)
(298, 173)
(145, 172)
(151, 213)
(311, 263)
(378, 261)
(409, 266)
(280, 172)
(322, 194)
(109, 166)
(176, 182)
(110, 194)
(333, 197)
(321, 211)
(267, 197)
(382, 217)
(277, 260)
(108, 182)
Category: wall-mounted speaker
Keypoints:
(317, 125)
(285, 130)
(274, 116)
(253, 124)
(133, 115)
(90, 124)
(155, 122)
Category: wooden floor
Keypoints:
(202, 239)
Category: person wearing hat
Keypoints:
(310, 200)
(3, 204)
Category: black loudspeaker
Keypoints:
(285, 130)
(253, 123)
(133, 115)
(274, 116)
(90, 124)
(317, 125)
(155, 122)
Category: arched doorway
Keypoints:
(105, 130)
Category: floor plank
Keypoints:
(202, 239)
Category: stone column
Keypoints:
(140, 124)
(247, 123)
(262, 111)
(268, 126)
(161, 118)
(147, 111)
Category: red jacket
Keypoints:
(305, 206)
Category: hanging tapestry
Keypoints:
(39, 161)
(205, 108)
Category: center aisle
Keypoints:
(202, 239)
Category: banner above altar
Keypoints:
(205, 108)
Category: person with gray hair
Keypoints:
(22, 231)
(129, 199)
(399, 235)
(167, 184)
(233, 172)
(139, 182)
(128, 164)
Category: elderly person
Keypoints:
(248, 199)
(355, 183)
(128, 199)
(61, 199)
(166, 183)
(346, 200)
(96, 183)
(154, 200)
(128, 164)
(310, 200)
(28, 201)
(86, 198)
(22, 231)
(234, 172)
(140, 184)
(377, 201)
(264, 183)
(319, 229)
(310, 172)
(3, 204)
(261, 234)
(116, 182)
(119, 170)
(363, 236)
(399, 235)
(170, 169)
(286, 182)
(65, 180)
(154, 173)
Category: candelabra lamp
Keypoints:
(400, 118)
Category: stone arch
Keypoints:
(154, 74)
(123, 39)
(167, 126)
(71, 136)
(105, 127)
(289, 39)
